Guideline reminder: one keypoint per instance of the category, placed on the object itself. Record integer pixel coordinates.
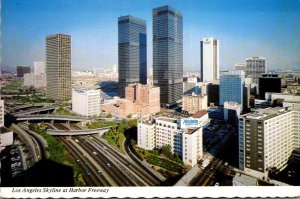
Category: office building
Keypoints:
(232, 87)
(212, 91)
(232, 112)
(132, 52)
(86, 102)
(140, 100)
(267, 138)
(191, 86)
(269, 83)
(184, 135)
(36, 80)
(23, 69)
(168, 53)
(39, 67)
(255, 67)
(194, 103)
(58, 67)
(240, 67)
(209, 59)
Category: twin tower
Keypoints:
(167, 52)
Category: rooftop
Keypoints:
(4, 130)
(199, 114)
(266, 113)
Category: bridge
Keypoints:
(14, 109)
(78, 132)
(37, 110)
(52, 117)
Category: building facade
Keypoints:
(255, 67)
(267, 138)
(86, 102)
(232, 112)
(168, 53)
(58, 67)
(39, 67)
(36, 80)
(191, 86)
(140, 100)
(132, 52)
(269, 83)
(213, 91)
(194, 103)
(209, 59)
(183, 135)
(232, 87)
(23, 69)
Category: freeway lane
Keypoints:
(114, 172)
(89, 179)
(125, 162)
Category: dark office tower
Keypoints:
(58, 67)
(22, 69)
(269, 83)
(168, 53)
(213, 94)
(132, 46)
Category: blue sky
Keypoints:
(267, 28)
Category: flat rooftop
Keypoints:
(267, 113)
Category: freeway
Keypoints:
(124, 162)
(37, 110)
(90, 170)
(78, 132)
(52, 117)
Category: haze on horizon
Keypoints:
(269, 28)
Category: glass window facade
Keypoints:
(132, 52)
(168, 53)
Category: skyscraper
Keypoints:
(58, 67)
(168, 53)
(132, 46)
(232, 87)
(269, 83)
(255, 67)
(209, 63)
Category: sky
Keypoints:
(244, 28)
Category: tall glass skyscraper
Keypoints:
(168, 53)
(231, 87)
(132, 48)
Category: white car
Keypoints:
(217, 184)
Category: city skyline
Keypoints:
(268, 29)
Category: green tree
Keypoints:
(166, 150)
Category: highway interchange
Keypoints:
(103, 165)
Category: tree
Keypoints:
(166, 150)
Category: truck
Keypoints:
(204, 163)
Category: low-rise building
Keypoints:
(36, 80)
(86, 102)
(139, 100)
(184, 135)
(194, 103)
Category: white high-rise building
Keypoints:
(39, 67)
(255, 67)
(209, 59)
(267, 138)
(86, 102)
(184, 135)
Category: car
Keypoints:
(100, 172)
(78, 161)
(94, 152)
(226, 163)
(217, 184)
(87, 172)
(108, 165)
(104, 148)
(212, 167)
